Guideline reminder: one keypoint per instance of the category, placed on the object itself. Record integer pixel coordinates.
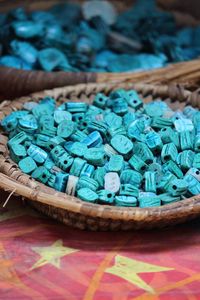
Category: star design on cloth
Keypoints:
(52, 254)
(129, 269)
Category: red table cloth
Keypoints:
(45, 260)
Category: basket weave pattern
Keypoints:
(74, 212)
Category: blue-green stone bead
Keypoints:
(50, 131)
(64, 162)
(109, 150)
(141, 150)
(165, 182)
(87, 182)
(54, 141)
(178, 187)
(29, 105)
(168, 199)
(46, 121)
(28, 124)
(78, 136)
(87, 170)
(150, 181)
(93, 139)
(77, 166)
(66, 129)
(196, 161)
(42, 109)
(197, 143)
(138, 164)
(41, 140)
(41, 174)
(159, 122)
(98, 175)
(61, 182)
(27, 165)
(27, 29)
(194, 172)
(146, 201)
(135, 130)
(169, 152)
(154, 141)
(19, 138)
(116, 163)
(121, 144)
(68, 145)
(49, 163)
(183, 125)
(78, 149)
(155, 108)
(128, 190)
(37, 153)
(10, 122)
(76, 107)
(128, 118)
(60, 116)
(105, 197)
(186, 140)
(133, 99)
(101, 127)
(119, 106)
(87, 195)
(168, 135)
(116, 131)
(185, 159)
(131, 177)
(125, 201)
(189, 111)
(56, 152)
(100, 100)
(172, 167)
(113, 120)
(51, 180)
(95, 156)
(193, 184)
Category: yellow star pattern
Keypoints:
(52, 254)
(129, 268)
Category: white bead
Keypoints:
(71, 185)
(112, 182)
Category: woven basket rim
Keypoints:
(38, 192)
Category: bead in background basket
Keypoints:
(178, 187)
(112, 182)
(126, 201)
(185, 159)
(186, 140)
(77, 166)
(14, 62)
(27, 165)
(27, 29)
(25, 51)
(128, 190)
(61, 181)
(122, 144)
(41, 174)
(87, 195)
(37, 153)
(105, 197)
(172, 167)
(52, 59)
(87, 182)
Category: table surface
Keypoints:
(45, 260)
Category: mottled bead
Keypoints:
(19, 138)
(113, 120)
(121, 144)
(56, 152)
(125, 201)
(78, 149)
(95, 156)
(169, 152)
(133, 99)
(51, 59)
(159, 122)
(77, 166)
(116, 163)
(116, 131)
(100, 100)
(178, 187)
(27, 165)
(155, 108)
(37, 153)
(164, 184)
(71, 185)
(186, 140)
(78, 136)
(10, 122)
(93, 139)
(135, 130)
(87, 182)
(64, 161)
(76, 107)
(41, 174)
(183, 125)
(60, 116)
(101, 127)
(168, 199)
(112, 182)
(87, 195)
(87, 170)
(193, 184)
(154, 141)
(27, 29)
(41, 140)
(196, 161)
(141, 150)
(131, 177)
(145, 201)
(138, 164)
(98, 175)
(150, 181)
(65, 129)
(169, 136)
(128, 190)
(61, 182)
(109, 150)
(55, 141)
(194, 172)
(172, 167)
(197, 143)
(120, 107)
(185, 159)
(105, 197)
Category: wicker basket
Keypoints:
(18, 82)
(83, 215)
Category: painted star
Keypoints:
(129, 269)
(52, 254)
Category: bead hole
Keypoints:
(197, 172)
(166, 157)
(143, 168)
(65, 162)
(134, 101)
(43, 176)
(109, 195)
(174, 187)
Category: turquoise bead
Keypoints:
(60, 116)
(56, 152)
(17, 152)
(105, 197)
(76, 107)
(87, 170)
(98, 175)
(133, 99)
(141, 150)
(128, 190)
(135, 130)
(78, 149)
(194, 172)
(53, 142)
(154, 141)
(87, 195)
(10, 122)
(146, 201)
(155, 108)
(197, 143)
(95, 156)
(41, 174)
(109, 150)
(87, 182)
(121, 144)
(196, 161)
(100, 100)
(183, 125)
(51, 180)
(128, 118)
(185, 159)
(116, 163)
(159, 122)
(41, 140)
(113, 120)
(66, 129)
(193, 184)
(93, 139)
(49, 163)
(168, 135)
(164, 184)
(178, 187)
(138, 164)
(61, 182)
(150, 181)
(19, 138)
(100, 126)
(126, 201)
(131, 177)
(116, 131)
(78, 136)
(64, 161)
(168, 199)
(27, 165)
(119, 106)
(37, 153)
(77, 166)
(172, 167)
(28, 124)
(169, 152)
(186, 140)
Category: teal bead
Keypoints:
(78, 136)
(54, 141)
(168, 135)
(71, 185)
(141, 150)
(78, 118)
(164, 184)
(60, 116)
(186, 140)
(17, 152)
(68, 145)
(87, 182)
(100, 100)
(189, 111)
(42, 109)
(194, 172)
(183, 125)
(159, 123)
(46, 121)
(119, 106)
(41, 140)
(133, 99)
(150, 181)
(105, 197)
(61, 182)
(116, 163)
(27, 165)
(193, 184)
(49, 163)
(51, 180)
(109, 150)
(154, 141)
(37, 153)
(87, 170)
(87, 195)
(76, 107)
(185, 159)
(138, 164)
(28, 124)
(49, 131)
(178, 187)
(197, 143)
(128, 118)
(19, 138)
(95, 156)
(168, 199)
(169, 152)
(146, 201)
(56, 152)
(78, 149)
(77, 166)
(101, 127)
(94, 139)
(41, 174)
(116, 131)
(128, 190)
(131, 177)
(125, 201)
(196, 161)
(156, 108)
(172, 167)
(66, 129)
(10, 122)
(113, 120)
(121, 144)
(64, 162)
(135, 130)
(29, 105)
(112, 182)
(98, 175)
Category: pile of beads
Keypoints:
(94, 37)
(117, 151)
